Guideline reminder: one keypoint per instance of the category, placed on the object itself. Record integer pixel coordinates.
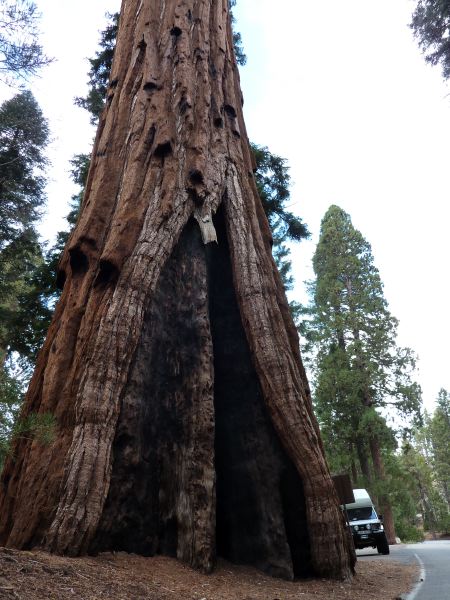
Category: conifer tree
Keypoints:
(24, 135)
(439, 432)
(431, 26)
(360, 369)
(21, 54)
(23, 138)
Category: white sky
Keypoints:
(341, 90)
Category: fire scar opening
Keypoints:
(198, 470)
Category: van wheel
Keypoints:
(382, 545)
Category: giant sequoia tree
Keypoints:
(184, 419)
(360, 368)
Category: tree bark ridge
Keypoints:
(171, 145)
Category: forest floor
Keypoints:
(40, 576)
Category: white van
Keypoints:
(366, 526)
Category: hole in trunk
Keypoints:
(108, 273)
(184, 105)
(150, 138)
(150, 86)
(163, 150)
(257, 485)
(60, 279)
(79, 262)
(230, 110)
(196, 176)
(192, 420)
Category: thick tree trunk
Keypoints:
(363, 460)
(353, 469)
(172, 364)
(385, 505)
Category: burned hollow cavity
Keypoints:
(195, 456)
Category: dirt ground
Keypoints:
(40, 576)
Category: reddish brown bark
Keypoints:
(384, 503)
(172, 364)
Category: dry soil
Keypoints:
(40, 576)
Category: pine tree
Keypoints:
(24, 135)
(426, 457)
(10, 399)
(360, 369)
(439, 432)
(23, 138)
(273, 183)
(21, 55)
(172, 360)
(24, 316)
(431, 26)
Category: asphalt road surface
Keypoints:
(433, 558)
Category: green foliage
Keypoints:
(21, 56)
(409, 534)
(24, 311)
(273, 182)
(419, 474)
(100, 69)
(10, 400)
(39, 427)
(431, 26)
(438, 429)
(24, 297)
(24, 136)
(349, 312)
(351, 335)
(241, 58)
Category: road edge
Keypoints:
(422, 576)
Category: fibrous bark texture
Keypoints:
(184, 420)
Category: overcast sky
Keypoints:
(341, 91)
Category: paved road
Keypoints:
(434, 557)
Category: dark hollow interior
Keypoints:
(258, 494)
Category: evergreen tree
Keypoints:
(24, 315)
(439, 433)
(23, 138)
(425, 458)
(24, 135)
(241, 58)
(10, 399)
(431, 26)
(360, 369)
(24, 311)
(21, 55)
(100, 70)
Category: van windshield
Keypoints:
(360, 514)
